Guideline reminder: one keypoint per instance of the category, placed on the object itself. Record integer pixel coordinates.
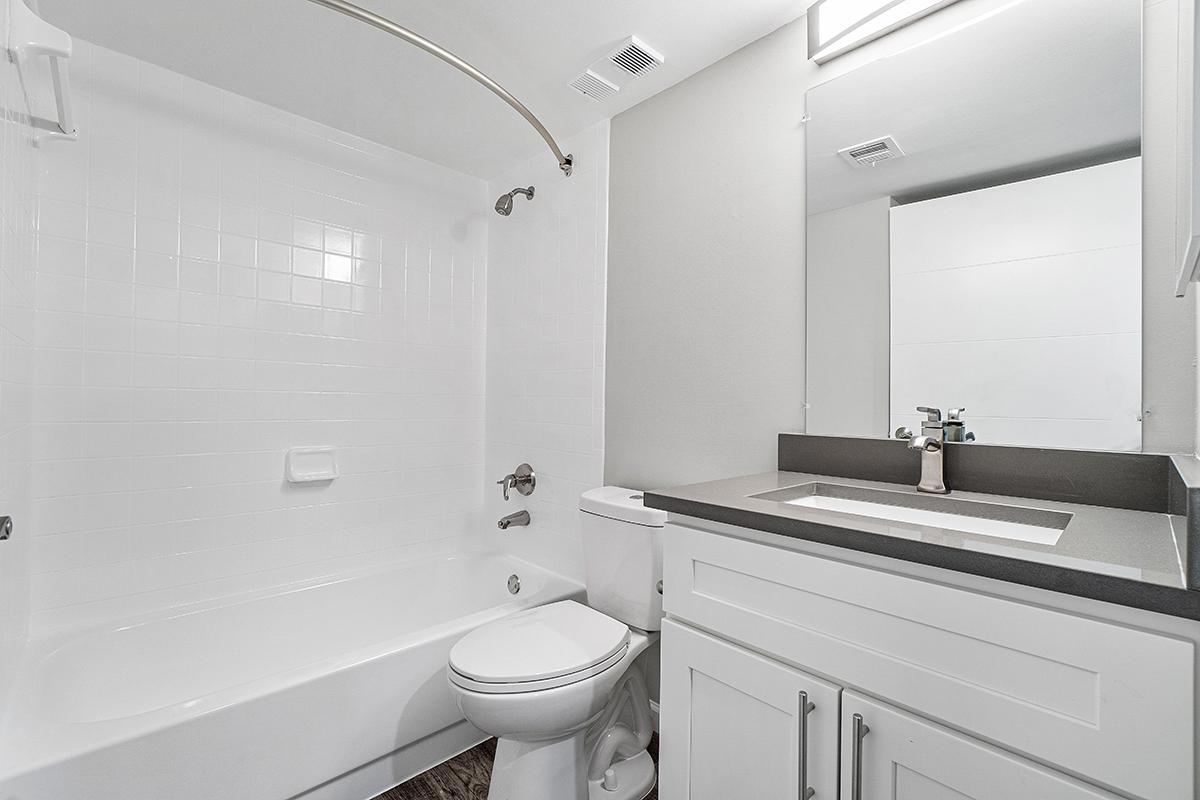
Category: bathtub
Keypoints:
(334, 690)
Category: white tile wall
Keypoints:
(545, 348)
(219, 281)
(1023, 303)
(18, 209)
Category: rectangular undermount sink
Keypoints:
(1017, 523)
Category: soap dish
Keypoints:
(311, 464)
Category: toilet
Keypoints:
(557, 684)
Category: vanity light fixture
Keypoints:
(838, 26)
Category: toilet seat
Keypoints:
(541, 648)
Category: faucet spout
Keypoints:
(933, 464)
(519, 518)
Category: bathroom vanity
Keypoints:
(838, 648)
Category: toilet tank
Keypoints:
(622, 554)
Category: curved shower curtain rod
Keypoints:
(565, 161)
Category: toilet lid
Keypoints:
(539, 644)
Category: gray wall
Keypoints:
(705, 339)
(849, 313)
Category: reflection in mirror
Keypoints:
(975, 231)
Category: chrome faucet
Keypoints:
(931, 445)
(519, 518)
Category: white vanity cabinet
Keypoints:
(735, 724)
(966, 694)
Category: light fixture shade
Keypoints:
(838, 26)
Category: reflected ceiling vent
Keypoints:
(635, 57)
(608, 75)
(593, 86)
(868, 154)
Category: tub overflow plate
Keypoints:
(514, 584)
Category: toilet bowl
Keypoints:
(558, 685)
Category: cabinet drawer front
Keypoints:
(905, 758)
(731, 724)
(1109, 703)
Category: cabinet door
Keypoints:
(906, 758)
(734, 725)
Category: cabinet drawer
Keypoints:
(1112, 704)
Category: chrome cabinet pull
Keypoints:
(805, 708)
(860, 730)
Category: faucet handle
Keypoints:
(955, 414)
(522, 479)
(934, 414)
(927, 444)
(508, 482)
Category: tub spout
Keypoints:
(519, 518)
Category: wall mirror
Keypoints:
(975, 231)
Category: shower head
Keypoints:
(504, 205)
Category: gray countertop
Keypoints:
(1133, 558)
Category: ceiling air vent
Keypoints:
(635, 57)
(868, 154)
(607, 76)
(592, 85)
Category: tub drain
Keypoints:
(514, 584)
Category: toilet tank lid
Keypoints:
(624, 505)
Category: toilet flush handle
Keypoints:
(659, 586)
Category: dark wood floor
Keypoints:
(465, 777)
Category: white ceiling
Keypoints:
(1036, 87)
(315, 63)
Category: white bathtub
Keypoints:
(332, 691)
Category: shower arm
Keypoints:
(565, 161)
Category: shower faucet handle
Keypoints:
(508, 482)
(522, 479)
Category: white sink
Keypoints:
(1016, 523)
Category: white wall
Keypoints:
(1023, 303)
(18, 207)
(706, 271)
(848, 301)
(219, 281)
(545, 348)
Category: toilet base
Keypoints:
(547, 770)
(555, 770)
(635, 778)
